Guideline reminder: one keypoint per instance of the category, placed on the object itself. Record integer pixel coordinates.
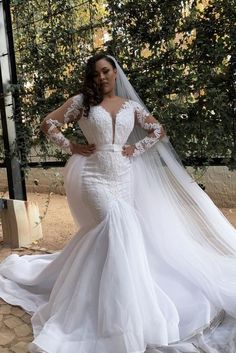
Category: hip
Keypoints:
(106, 162)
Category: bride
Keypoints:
(153, 265)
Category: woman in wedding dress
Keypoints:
(153, 265)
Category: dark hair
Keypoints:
(91, 92)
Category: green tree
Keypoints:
(180, 56)
(53, 40)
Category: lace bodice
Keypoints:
(101, 128)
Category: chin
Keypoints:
(106, 90)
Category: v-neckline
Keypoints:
(113, 119)
(122, 106)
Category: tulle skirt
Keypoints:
(121, 285)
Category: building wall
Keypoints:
(219, 182)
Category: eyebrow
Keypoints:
(104, 67)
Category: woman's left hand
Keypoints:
(128, 150)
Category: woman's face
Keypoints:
(105, 76)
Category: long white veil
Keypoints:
(190, 232)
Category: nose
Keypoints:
(101, 76)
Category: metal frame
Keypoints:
(9, 108)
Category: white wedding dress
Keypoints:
(121, 286)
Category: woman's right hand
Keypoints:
(84, 150)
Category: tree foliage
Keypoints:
(53, 40)
(179, 55)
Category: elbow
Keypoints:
(43, 126)
(163, 132)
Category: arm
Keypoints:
(154, 130)
(70, 111)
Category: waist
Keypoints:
(109, 147)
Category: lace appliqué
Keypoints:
(154, 129)
(52, 124)
(56, 136)
(141, 114)
(148, 141)
(74, 110)
(72, 113)
(98, 127)
(106, 178)
(60, 140)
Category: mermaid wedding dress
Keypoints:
(131, 280)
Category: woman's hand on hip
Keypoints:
(128, 150)
(84, 150)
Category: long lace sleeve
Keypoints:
(154, 129)
(70, 111)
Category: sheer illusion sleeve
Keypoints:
(70, 111)
(154, 129)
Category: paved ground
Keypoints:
(15, 327)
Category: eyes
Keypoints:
(105, 72)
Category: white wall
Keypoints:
(220, 184)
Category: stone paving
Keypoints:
(15, 329)
(15, 325)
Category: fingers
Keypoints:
(84, 150)
(163, 133)
(127, 151)
(85, 153)
(87, 150)
(91, 147)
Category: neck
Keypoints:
(109, 95)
